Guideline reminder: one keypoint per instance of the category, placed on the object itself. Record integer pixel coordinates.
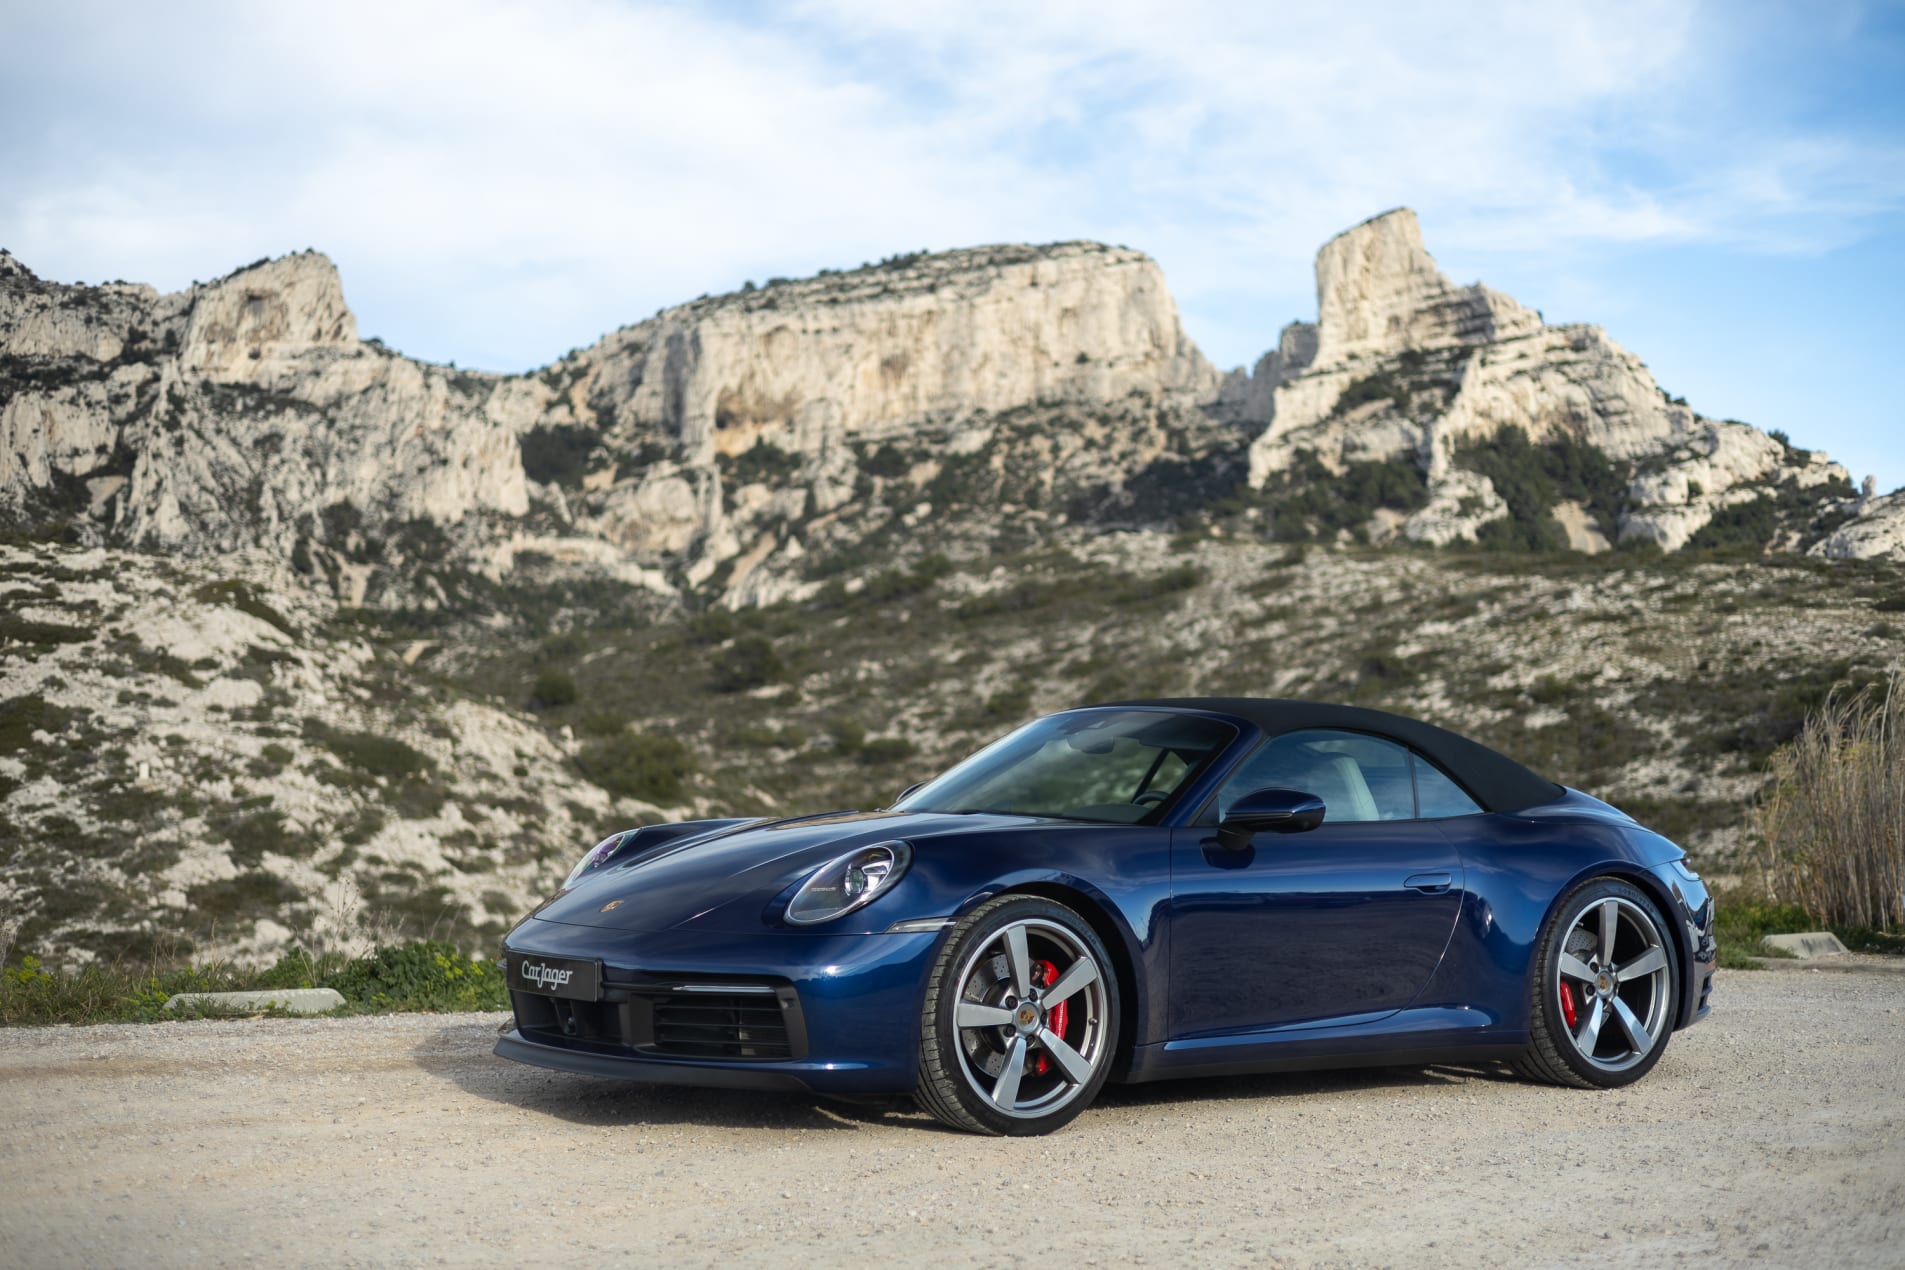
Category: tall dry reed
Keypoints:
(1833, 822)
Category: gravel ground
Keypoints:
(1772, 1134)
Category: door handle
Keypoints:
(1429, 883)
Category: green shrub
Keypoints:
(760, 464)
(749, 662)
(22, 630)
(425, 976)
(886, 749)
(1019, 597)
(1013, 703)
(21, 717)
(117, 992)
(368, 752)
(553, 688)
(1185, 577)
(255, 834)
(1742, 921)
(600, 723)
(1308, 501)
(886, 461)
(895, 584)
(561, 646)
(651, 768)
(1380, 386)
(1532, 479)
(847, 735)
(716, 626)
(558, 454)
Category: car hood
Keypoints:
(725, 880)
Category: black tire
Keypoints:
(1622, 990)
(964, 1064)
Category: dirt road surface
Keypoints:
(1772, 1134)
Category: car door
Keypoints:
(1341, 924)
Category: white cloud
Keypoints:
(500, 179)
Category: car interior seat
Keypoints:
(1337, 780)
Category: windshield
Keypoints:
(1112, 766)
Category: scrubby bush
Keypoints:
(716, 626)
(848, 736)
(1833, 821)
(1309, 501)
(651, 768)
(1011, 703)
(558, 454)
(1532, 479)
(368, 752)
(416, 976)
(600, 723)
(1380, 386)
(21, 717)
(749, 662)
(553, 688)
(421, 976)
(753, 736)
(886, 749)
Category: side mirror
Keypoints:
(1269, 811)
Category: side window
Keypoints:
(1358, 777)
(1437, 796)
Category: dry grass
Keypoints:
(1833, 820)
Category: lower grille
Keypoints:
(721, 1025)
(671, 1018)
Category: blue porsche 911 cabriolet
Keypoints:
(1129, 892)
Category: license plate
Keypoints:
(565, 977)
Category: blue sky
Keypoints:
(1721, 186)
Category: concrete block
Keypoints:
(290, 1000)
(1808, 944)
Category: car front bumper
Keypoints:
(831, 1014)
(1694, 913)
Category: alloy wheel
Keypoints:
(1614, 984)
(1031, 1018)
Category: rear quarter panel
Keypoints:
(1518, 868)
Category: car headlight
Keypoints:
(597, 857)
(848, 882)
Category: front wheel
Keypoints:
(1605, 987)
(1020, 1019)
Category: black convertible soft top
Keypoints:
(1495, 781)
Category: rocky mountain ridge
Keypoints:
(1402, 364)
(730, 446)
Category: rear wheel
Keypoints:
(1020, 1019)
(1605, 988)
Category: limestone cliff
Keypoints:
(248, 412)
(731, 443)
(233, 413)
(1403, 364)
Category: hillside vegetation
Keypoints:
(213, 765)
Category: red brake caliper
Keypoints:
(1045, 974)
(1567, 1004)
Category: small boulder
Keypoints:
(1807, 944)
